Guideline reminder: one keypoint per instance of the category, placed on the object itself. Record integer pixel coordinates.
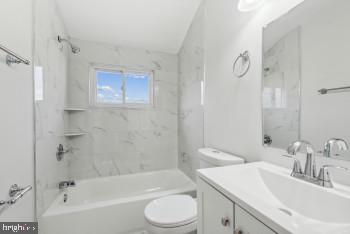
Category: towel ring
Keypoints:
(244, 57)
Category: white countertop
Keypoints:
(246, 186)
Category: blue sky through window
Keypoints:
(137, 88)
(109, 87)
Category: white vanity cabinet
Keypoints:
(215, 211)
(219, 215)
(247, 224)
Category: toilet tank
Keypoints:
(209, 157)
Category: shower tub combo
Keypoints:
(111, 205)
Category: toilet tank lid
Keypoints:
(218, 158)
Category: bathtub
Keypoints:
(111, 205)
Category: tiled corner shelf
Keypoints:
(75, 134)
(71, 109)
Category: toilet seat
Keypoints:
(171, 211)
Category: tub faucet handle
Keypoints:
(66, 184)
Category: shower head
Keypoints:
(74, 48)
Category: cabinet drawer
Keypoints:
(247, 224)
(215, 211)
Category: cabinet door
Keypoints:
(215, 211)
(247, 224)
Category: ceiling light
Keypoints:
(249, 5)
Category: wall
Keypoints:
(119, 140)
(52, 58)
(191, 78)
(233, 106)
(16, 119)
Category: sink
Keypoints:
(306, 199)
(287, 204)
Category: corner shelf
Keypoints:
(71, 109)
(75, 134)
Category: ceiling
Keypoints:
(159, 25)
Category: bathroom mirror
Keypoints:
(306, 76)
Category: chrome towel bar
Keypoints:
(325, 91)
(12, 57)
(16, 193)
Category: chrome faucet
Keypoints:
(342, 145)
(309, 173)
(66, 184)
(310, 164)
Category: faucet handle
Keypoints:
(296, 166)
(324, 176)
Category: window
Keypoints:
(123, 88)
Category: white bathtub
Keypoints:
(111, 205)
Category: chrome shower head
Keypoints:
(74, 48)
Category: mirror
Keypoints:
(306, 76)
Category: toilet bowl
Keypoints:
(177, 214)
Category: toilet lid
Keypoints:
(171, 211)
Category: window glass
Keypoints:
(137, 89)
(109, 87)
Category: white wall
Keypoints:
(120, 140)
(233, 106)
(52, 57)
(16, 101)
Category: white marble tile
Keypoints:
(191, 74)
(123, 141)
(49, 112)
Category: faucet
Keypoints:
(323, 178)
(310, 164)
(342, 145)
(66, 184)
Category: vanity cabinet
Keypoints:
(215, 211)
(218, 214)
(247, 224)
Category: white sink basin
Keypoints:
(286, 204)
(308, 200)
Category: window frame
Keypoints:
(110, 68)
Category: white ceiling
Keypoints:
(159, 25)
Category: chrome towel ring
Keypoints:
(244, 66)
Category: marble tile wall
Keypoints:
(50, 57)
(191, 81)
(121, 140)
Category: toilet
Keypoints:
(177, 214)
